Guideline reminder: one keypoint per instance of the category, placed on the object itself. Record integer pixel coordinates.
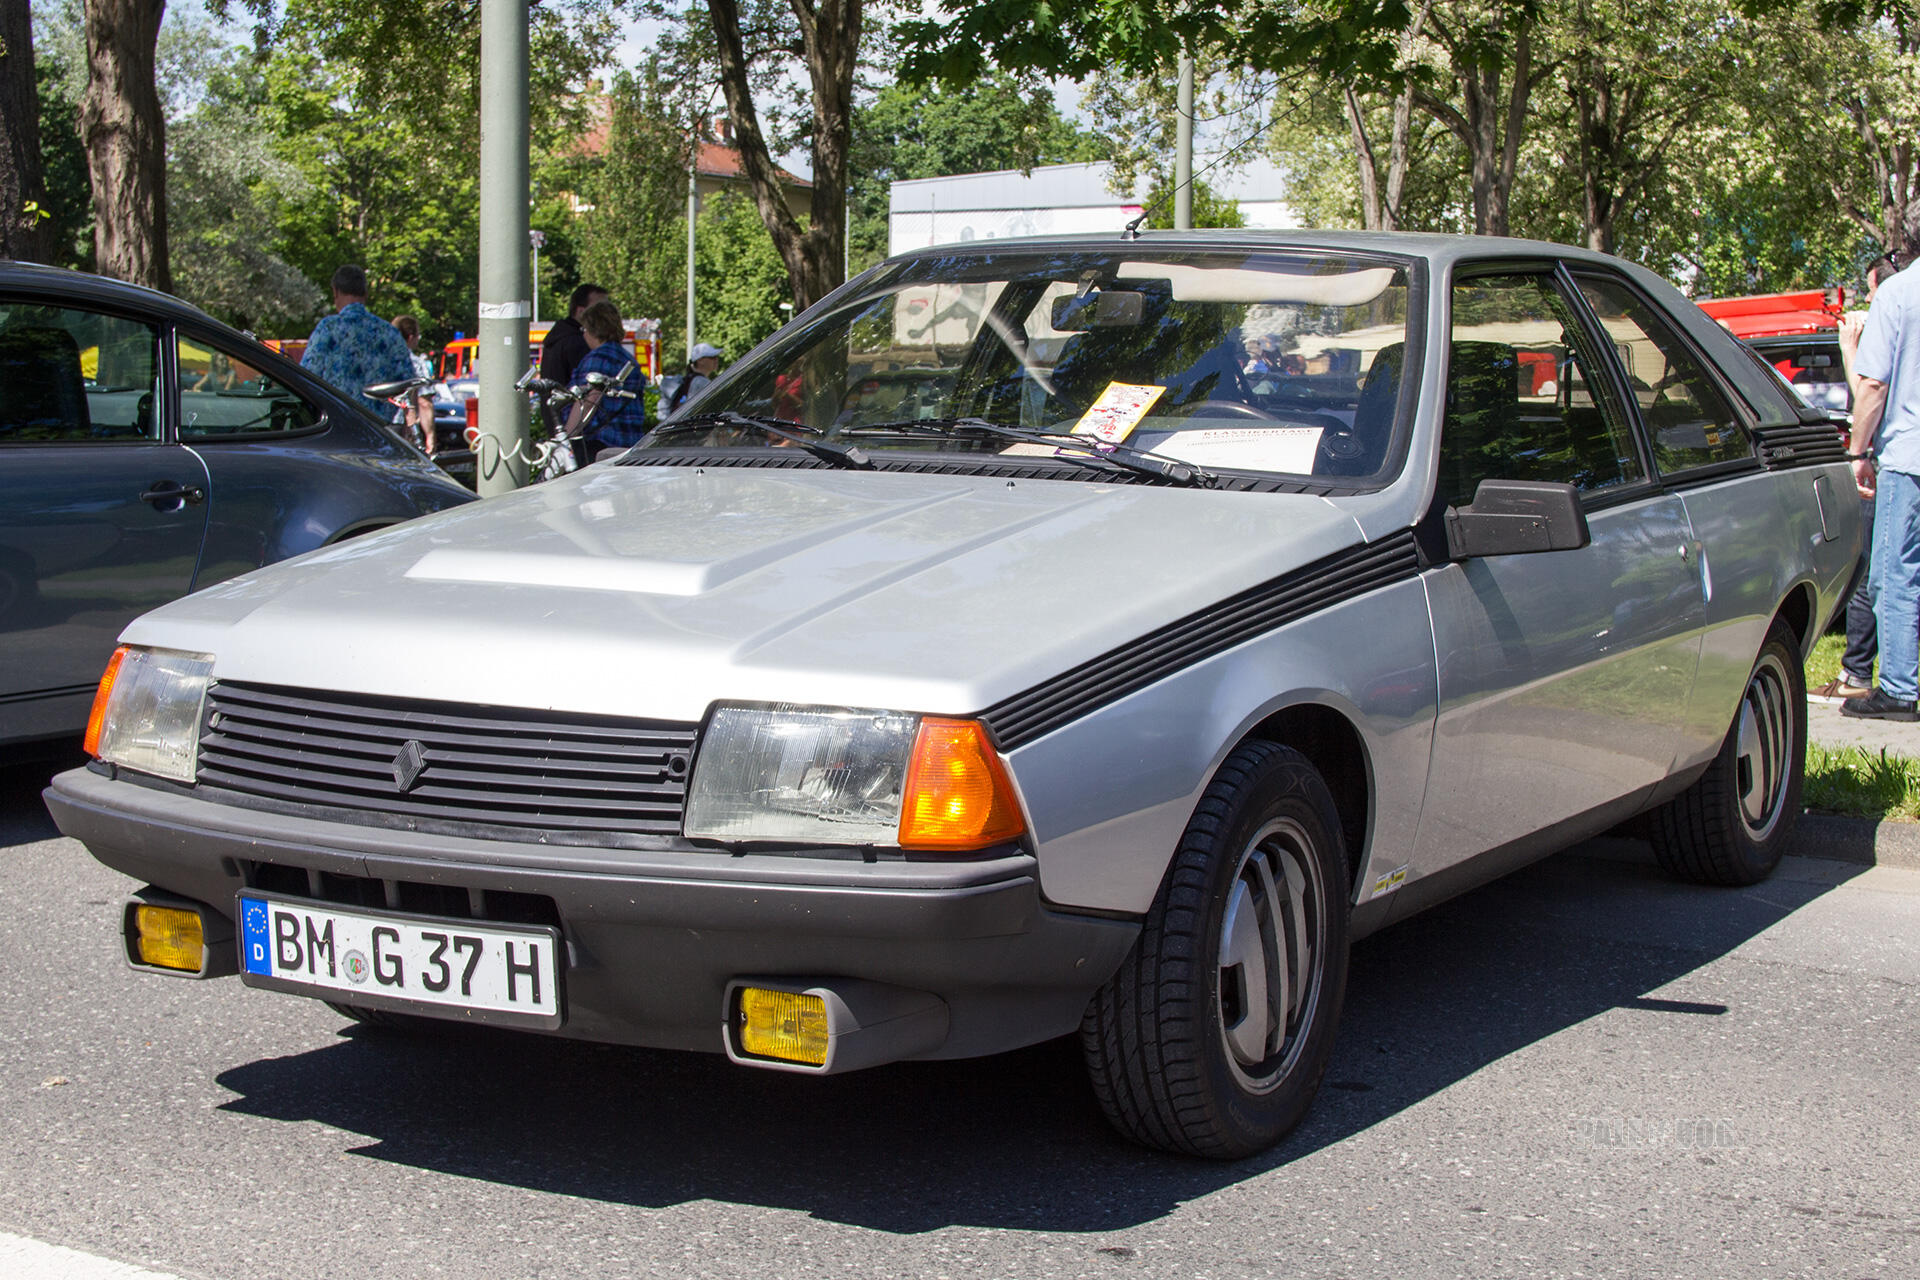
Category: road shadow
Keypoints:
(24, 773)
(1014, 1141)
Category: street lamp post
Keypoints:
(500, 453)
(538, 238)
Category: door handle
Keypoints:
(169, 491)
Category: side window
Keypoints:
(1520, 402)
(1689, 422)
(70, 376)
(223, 396)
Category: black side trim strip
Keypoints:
(1113, 675)
(34, 695)
(1800, 445)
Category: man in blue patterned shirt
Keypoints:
(354, 347)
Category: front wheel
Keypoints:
(1731, 826)
(1212, 1037)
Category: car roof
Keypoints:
(1433, 247)
(81, 286)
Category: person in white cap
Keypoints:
(702, 363)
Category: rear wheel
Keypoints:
(1213, 1036)
(1731, 826)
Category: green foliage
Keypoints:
(226, 181)
(63, 158)
(1209, 208)
(374, 185)
(739, 279)
(632, 228)
(1001, 122)
(633, 239)
(1136, 118)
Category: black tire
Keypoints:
(1190, 1050)
(1731, 826)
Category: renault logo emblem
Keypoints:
(408, 764)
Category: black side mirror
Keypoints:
(1513, 517)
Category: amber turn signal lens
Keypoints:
(98, 716)
(958, 796)
(784, 1025)
(168, 938)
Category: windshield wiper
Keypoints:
(1092, 451)
(792, 432)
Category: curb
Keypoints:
(1867, 841)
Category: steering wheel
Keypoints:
(1230, 409)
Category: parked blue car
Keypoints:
(130, 476)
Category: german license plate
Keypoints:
(467, 969)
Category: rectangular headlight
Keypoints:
(147, 714)
(796, 773)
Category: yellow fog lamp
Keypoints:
(168, 938)
(829, 1025)
(786, 1026)
(178, 936)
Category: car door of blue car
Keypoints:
(1564, 675)
(102, 511)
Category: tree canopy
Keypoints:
(1735, 149)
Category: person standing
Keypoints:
(419, 411)
(1886, 467)
(702, 363)
(354, 347)
(619, 421)
(566, 344)
(1863, 646)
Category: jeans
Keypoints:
(1856, 664)
(1895, 582)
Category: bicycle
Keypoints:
(403, 395)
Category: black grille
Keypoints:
(475, 770)
(1805, 445)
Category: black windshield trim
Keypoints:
(990, 466)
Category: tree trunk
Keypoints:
(125, 136)
(1399, 149)
(1594, 102)
(23, 192)
(1372, 217)
(815, 255)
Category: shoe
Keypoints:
(1876, 705)
(1839, 689)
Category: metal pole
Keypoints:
(504, 186)
(1183, 149)
(539, 238)
(693, 208)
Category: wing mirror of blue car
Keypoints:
(1513, 517)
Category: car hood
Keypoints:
(654, 591)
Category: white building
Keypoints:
(1059, 199)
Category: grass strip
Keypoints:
(1863, 784)
(1823, 664)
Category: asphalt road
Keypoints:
(1583, 1070)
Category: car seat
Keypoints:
(43, 394)
(1361, 450)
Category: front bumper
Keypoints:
(652, 936)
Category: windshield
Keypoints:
(1813, 370)
(1232, 361)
